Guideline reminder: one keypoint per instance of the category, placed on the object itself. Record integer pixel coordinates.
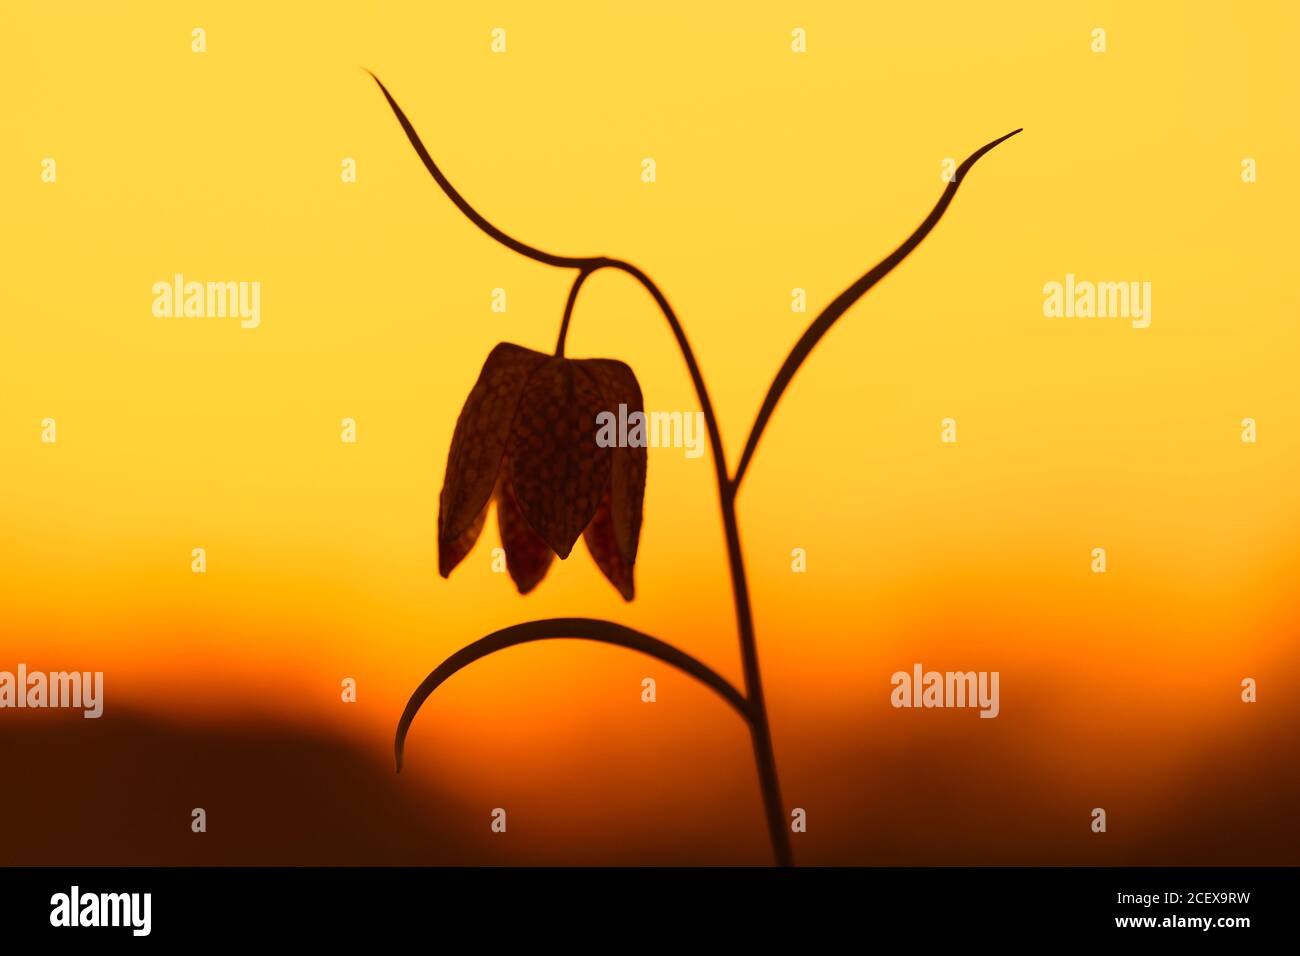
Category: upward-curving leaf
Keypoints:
(581, 628)
(831, 314)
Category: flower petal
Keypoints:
(528, 557)
(477, 447)
(618, 386)
(601, 542)
(557, 471)
(452, 550)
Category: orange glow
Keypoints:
(1119, 690)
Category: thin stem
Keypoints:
(822, 324)
(568, 308)
(759, 727)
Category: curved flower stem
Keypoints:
(822, 324)
(759, 726)
(586, 265)
(582, 628)
(583, 273)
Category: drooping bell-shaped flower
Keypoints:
(527, 437)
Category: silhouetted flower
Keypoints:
(527, 436)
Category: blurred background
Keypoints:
(775, 171)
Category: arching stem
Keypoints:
(568, 308)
